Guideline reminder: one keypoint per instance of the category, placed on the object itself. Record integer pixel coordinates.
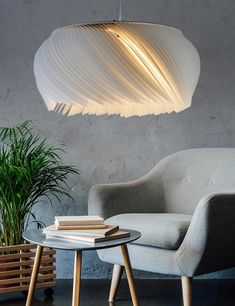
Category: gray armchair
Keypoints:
(184, 208)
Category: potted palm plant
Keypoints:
(30, 169)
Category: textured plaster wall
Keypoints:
(112, 149)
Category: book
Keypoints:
(108, 230)
(91, 239)
(78, 220)
(80, 227)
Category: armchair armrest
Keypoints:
(140, 196)
(209, 244)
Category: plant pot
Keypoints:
(16, 264)
(5, 271)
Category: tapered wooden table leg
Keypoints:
(77, 277)
(34, 275)
(129, 274)
(117, 274)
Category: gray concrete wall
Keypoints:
(112, 149)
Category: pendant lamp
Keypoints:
(124, 68)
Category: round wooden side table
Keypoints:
(37, 237)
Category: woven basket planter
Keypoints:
(16, 264)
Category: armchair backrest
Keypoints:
(187, 176)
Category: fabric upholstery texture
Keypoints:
(157, 230)
(144, 258)
(200, 182)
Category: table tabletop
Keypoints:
(39, 238)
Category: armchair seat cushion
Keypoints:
(161, 230)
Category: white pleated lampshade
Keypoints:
(124, 68)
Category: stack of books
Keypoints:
(87, 229)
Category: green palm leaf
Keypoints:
(30, 169)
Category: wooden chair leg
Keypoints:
(117, 274)
(77, 278)
(129, 274)
(187, 290)
(34, 276)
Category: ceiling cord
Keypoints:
(120, 10)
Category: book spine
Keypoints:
(73, 237)
(80, 227)
(79, 233)
(89, 238)
(78, 223)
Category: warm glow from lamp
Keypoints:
(124, 68)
